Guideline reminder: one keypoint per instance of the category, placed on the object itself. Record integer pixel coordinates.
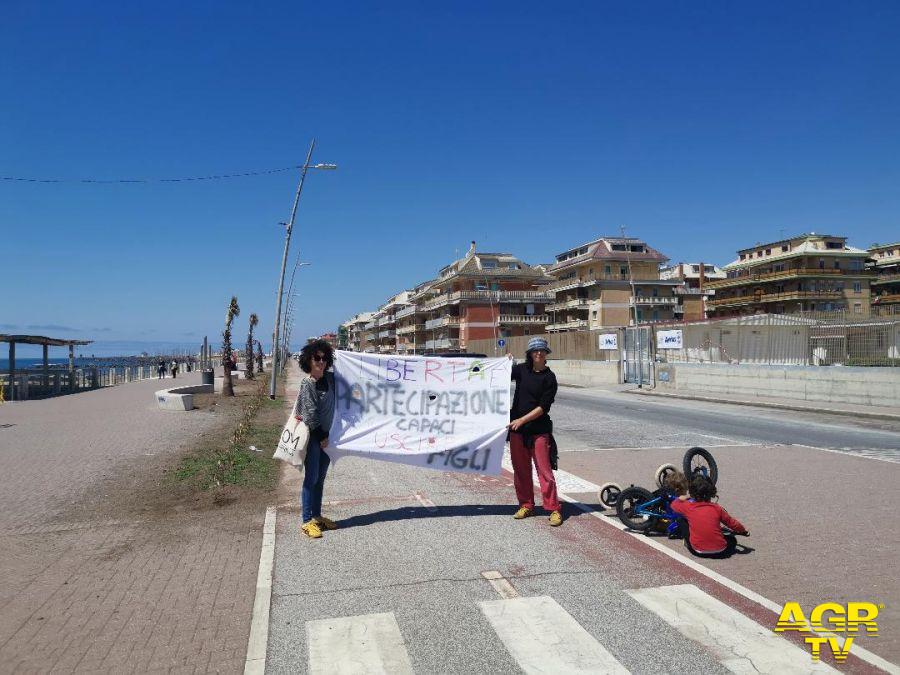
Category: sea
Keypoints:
(31, 363)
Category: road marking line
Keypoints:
(718, 438)
(740, 644)
(586, 448)
(862, 454)
(565, 481)
(427, 503)
(368, 643)
(505, 589)
(860, 652)
(255, 662)
(544, 638)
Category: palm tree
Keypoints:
(227, 354)
(248, 358)
(259, 357)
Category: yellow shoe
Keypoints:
(523, 512)
(556, 519)
(327, 523)
(311, 529)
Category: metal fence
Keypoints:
(579, 345)
(812, 338)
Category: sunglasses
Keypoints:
(318, 357)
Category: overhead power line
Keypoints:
(224, 176)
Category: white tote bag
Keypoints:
(292, 444)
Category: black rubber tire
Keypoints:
(691, 471)
(628, 499)
(609, 494)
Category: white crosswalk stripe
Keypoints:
(368, 643)
(544, 638)
(740, 644)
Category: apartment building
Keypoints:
(355, 327)
(694, 290)
(479, 296)
(884, 263)
(610, 281)
(411, 331)
(809, 272)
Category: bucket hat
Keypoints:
(538, 343)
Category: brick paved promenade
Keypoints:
(98, 577)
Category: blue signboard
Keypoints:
(501, 342)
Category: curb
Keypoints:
(769, 404)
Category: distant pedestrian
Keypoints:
(160, 370)
(531, 432)
(174, 368)
(315, 406)
(188, 365)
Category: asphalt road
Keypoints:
(596, 419)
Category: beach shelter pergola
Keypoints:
(46, 342)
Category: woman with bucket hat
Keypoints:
(531, 432)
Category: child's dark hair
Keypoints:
(702, 489)
(678, 483)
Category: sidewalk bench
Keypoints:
(181, 398)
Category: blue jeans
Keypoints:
(315, 466)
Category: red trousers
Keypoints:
(522, 476)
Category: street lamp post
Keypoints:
(287, 244)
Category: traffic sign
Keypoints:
(501, 342)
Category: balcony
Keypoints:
(488, 296)
(442, 321)
(885, 279)
(642, 300)
(580, 303)
(684, 290)
(385, 320)
(530, 319)
(371, 325)
(406, 311)
(888, 299)
(411, 328)
(567, 284)
(794, 273)
(761, 298)
(387, 334)
(442, 343)
(577, 324)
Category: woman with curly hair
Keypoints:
(315, 406)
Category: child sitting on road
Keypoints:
(704, 536)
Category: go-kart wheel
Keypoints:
(609, 494)
(700, 462)
(663, 473)
(629, 500)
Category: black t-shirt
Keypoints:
(533, 390)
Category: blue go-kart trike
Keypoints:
(639, 509)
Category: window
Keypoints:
(857, 287)
(488, 264)
(619, 247)
(637, 248)
(784, 247)
(857, 308)
(743, 256)
(837, 264)
(656, 315)
(590, 271)
(768, 251)
(834, 244)
(655, 292)
(821, 263)
(607, 270)
(594, 314)
(529, 309)
(623, 270)
(856, 265)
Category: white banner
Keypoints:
(440, 413)
(608, 341)
(668, 339)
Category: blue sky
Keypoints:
(702, 127)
